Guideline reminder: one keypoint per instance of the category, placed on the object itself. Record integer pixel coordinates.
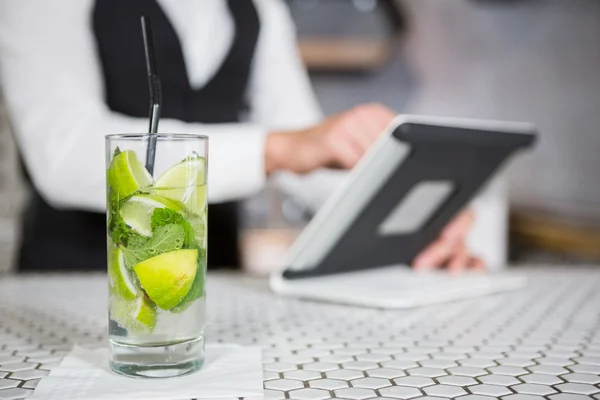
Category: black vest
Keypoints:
(75, 240)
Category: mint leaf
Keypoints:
(122, 234)
(116, 152)
(164, 216)
(165, 238)
(118, 230)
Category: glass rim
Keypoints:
(163, 136)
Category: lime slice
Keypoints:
(137, 211)
(167, 278)
(137, 315)
(121, 281)
(197, 289)
(185, 182)
(127, 175)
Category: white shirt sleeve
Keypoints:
(282, 98)
(53, 87)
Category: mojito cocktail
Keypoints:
(157, 236)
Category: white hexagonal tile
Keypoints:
(457, 380)
(502, 380)
(30, 374)
(270, 375)
(467, 371)
(577, 388)
(387, 350)
(414, 381)
(336, 358)
(582, 378)
(31, 384)
(568, 396)
(558, 354)
(489, 390)
(399, 364)
(535, 389)
(314, 352)
(516, 362)
(273, 394)
(284, 384)
(15, 394)
(387, 373)
(328, 384)
(16, 367)
(400, 392)
(371, 383)
(6, 360)
(485, 355)
(360, 365)
(296, 359)
(412, 356)
(589, 360)
(349, 351)
(345, 374)
(559, 362)
(302, 375)
(449, 356)
(506, 370)
(309, 394)
(320, 366)
(355, 393)
(427, 372)
(541, 379)
(549, 369)
(520, 397)
(477, 362)
(438, 363)
(444, 391)
(476, 397)
(527, 355)
(585, 369)
(373, 357)
(8, 383)
(279, 367)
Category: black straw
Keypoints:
(155, 94)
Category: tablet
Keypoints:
(402, 193)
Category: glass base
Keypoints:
(157, 361)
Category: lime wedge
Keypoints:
(121, 281)
(185, 182)
(126, 174)
(197, 289)
(167, 278)
(137, 211)
(137, 315)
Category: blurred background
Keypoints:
(525, 60)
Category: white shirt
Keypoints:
(53, 85)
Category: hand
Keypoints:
(338, 142)
(449, 250)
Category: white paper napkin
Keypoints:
(230, 371)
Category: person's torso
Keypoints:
(213, 92)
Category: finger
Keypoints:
(376, 118)
(459, 260)
(435, 255)
(345, 152)
(358, 132)
(459, 227)
(476, 263)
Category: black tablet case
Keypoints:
(467, 157)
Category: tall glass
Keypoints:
(157, 232)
